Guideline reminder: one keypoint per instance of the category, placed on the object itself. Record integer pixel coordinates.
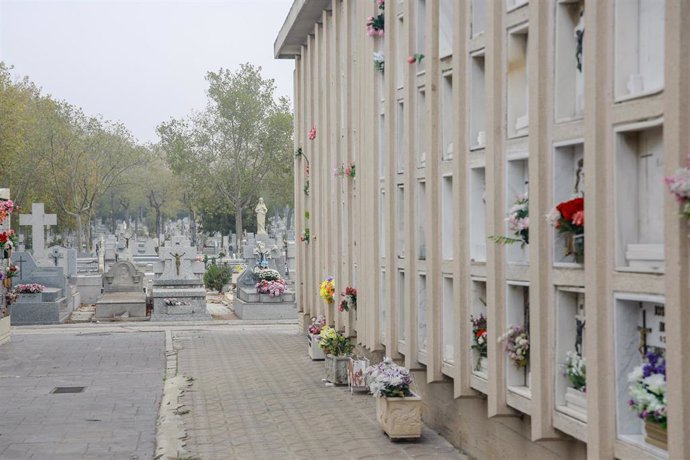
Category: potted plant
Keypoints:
(337, 348)
(647, 391)
(398, 410)
(576, 372)
(313, 348)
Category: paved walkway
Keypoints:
(114, 417)
(256, 395)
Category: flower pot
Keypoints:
(336, 369)
(7, 282)
(400, 418)
(313, 348)
(575, 246)
(4, 330)
(655, 435)
(356, 369)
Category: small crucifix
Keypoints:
(178, 260)
(644, 331)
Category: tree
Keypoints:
(237, 144)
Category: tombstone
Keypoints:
(178, 291)
(54, 307)
(110, 248)
(123, 293)
(65, 258)
(38, 220)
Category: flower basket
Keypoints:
(655, 434)
(315, 352)
(400, 418)
(355, 374)
(336, 369)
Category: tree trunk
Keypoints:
(238, 228)
(79, 235)
(112, 211)
(158, 223)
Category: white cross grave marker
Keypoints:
(38, 220)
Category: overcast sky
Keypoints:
(139, 62)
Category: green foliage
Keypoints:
(217, 276)
(238, 148)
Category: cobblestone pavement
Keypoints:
(257, 395)
(113, 418)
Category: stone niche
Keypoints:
(123, 293)
(518, 383)
(639, 48)
(639, 198)
(639, 327)
(570, 413)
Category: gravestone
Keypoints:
(38, 220)
(178, 292)
(123, 293)
(249, 304)
(54, 307)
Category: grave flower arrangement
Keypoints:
(317, 323)
(349, 300)
(647, 389)
(679, 185)
(568, 218)
(415, 58)
(576, 370)
(516, 340)
(274, 288)
(8, 239)
(306, 235)
(266, 274)
(327, 290)
(388, 379)
(479, 335)
(12, 271)
(32, 288)
(334, 343)
(311, 135)
(346, 171)
(173, 302)
(7, 207)
(518, 223)
(379, 62)
(375, 23)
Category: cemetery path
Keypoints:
(113, 417)
(255, 394)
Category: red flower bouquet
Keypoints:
(568, 218)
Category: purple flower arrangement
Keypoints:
(32, 288)
(647, 389)
(388, 379)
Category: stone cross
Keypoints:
(38, 220)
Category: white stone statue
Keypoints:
(261, 211)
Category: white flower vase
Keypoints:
(313, 348)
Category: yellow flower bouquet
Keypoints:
(334, 343)
(327, 290)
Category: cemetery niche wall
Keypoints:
(579, 103)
